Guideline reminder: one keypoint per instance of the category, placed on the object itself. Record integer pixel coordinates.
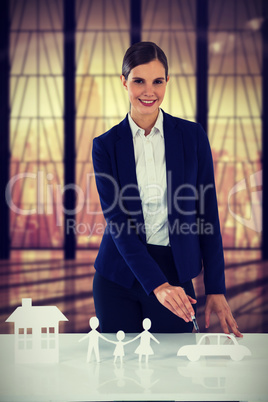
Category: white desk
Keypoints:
(166, 377)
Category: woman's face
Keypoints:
(146, 86)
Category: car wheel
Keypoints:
(193, 357)
(236, 357)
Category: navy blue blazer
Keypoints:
(194, 230)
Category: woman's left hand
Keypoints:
(219, 305)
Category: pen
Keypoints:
(195, 323)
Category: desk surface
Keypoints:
(166, 376)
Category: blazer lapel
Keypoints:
(127, 174)
(174, 162)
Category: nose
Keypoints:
(148, 90)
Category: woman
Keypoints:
(154, 175)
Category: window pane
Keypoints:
(36, 125)
(235, 117)
(102, 38)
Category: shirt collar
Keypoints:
(158, 127)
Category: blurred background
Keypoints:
(60, 67)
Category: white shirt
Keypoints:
(151, 176)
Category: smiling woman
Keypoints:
(144, 269)
(146, 86)
(145, 76)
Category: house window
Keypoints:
(52, 338)
(21, 345)
(51, 331)
(21, 332)
(25, 338)
(48, 335)
(29, 338)
(44, 332)
(44, 337)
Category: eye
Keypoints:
(158, 82)
(138, 81)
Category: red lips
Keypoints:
(147, 102)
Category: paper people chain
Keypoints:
(144, 349)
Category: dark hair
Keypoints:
(143, 53)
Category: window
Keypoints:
(171, 25)
(102, 37)
(25, 338)
(235, 116)
(36, 122)
(48, 338)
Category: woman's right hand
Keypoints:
(176, 300)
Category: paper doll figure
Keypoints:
(144, 348)
(93, 339)
(119, 349)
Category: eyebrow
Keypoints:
(139, 78)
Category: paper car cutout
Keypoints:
(215, 345)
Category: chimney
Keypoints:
(26, 303)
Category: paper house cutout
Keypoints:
(215, 345)
(36, 333)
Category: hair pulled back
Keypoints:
(143, 53)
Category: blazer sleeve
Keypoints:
(210, 239)
(128, 243)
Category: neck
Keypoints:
(145, 122)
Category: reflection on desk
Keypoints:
(165, 377)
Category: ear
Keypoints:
(167, 78)
(124, 81)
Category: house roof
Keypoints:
(31, 316)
